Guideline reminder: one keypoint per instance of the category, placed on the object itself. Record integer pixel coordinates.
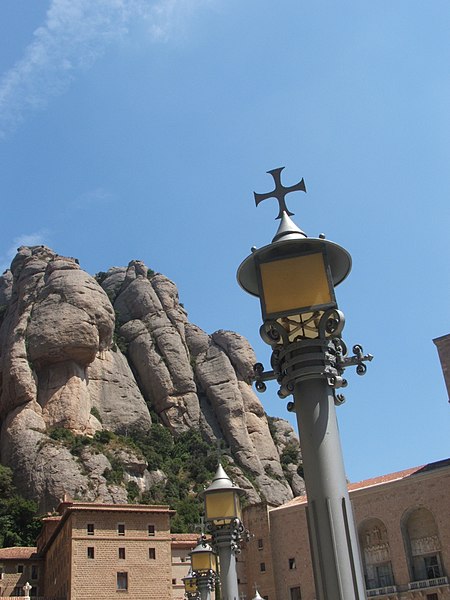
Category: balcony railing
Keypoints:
(427, 583)
(33, 598)
(382, 591)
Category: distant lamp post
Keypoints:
(190, 586)
(223, 520)
(204, 568)
(294, 278)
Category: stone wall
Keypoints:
(412, 508)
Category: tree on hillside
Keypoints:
(19, 525)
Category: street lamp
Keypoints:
(203, 565)
(190, 586)
(223, 520)
(294, 278)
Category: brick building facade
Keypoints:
(95, 551)
(17, 567)
(443, 347)
(404, 535)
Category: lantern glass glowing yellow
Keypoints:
(222, 505)
(203, 558)
(190, 585)
(295, 285)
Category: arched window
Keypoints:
(422, 544)
(374, 545)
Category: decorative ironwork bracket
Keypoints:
(230, 534)
(324, 356)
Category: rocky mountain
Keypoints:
(89, 365)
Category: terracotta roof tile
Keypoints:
(17, 553)
(178, 537)
(374, 481)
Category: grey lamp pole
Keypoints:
(204, 587)
(223, 520)
(294, 277)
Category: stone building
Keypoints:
(443, 347)
(404, 536)
(17, 567)
(93, 551)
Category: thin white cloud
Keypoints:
(96, 197)
(37, 238)
(75, 34)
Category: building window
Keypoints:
(262, 567)
(33, 591)
(122, 581)
(295, 593)
(121, 528)
(122, 553)
(34, 571)
(174, 582)
(292, 563)
(152, 553)
(20, 568)
(432, 566)
(384, 576)
(376, 554)
(422, 541)
(90, 552)
(90, 528)
(432, 597)
(260, 544)
(151, 530)
(18, 591)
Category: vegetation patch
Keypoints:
(19, 525)
(95, 413)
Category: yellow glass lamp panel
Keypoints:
(295, 283)
(221, 505)
(203, 561)
(190, 585)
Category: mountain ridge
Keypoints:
(117, 353)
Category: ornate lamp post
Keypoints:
(203, 565)
(294, 277)
(223, 520)
(190, 586)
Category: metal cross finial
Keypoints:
(221, 450)
(280, 192)
(200, 526)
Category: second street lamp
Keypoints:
(294, 278)
(203, 565)
(223, 520)
(190, 586)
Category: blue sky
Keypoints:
(140, 129)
